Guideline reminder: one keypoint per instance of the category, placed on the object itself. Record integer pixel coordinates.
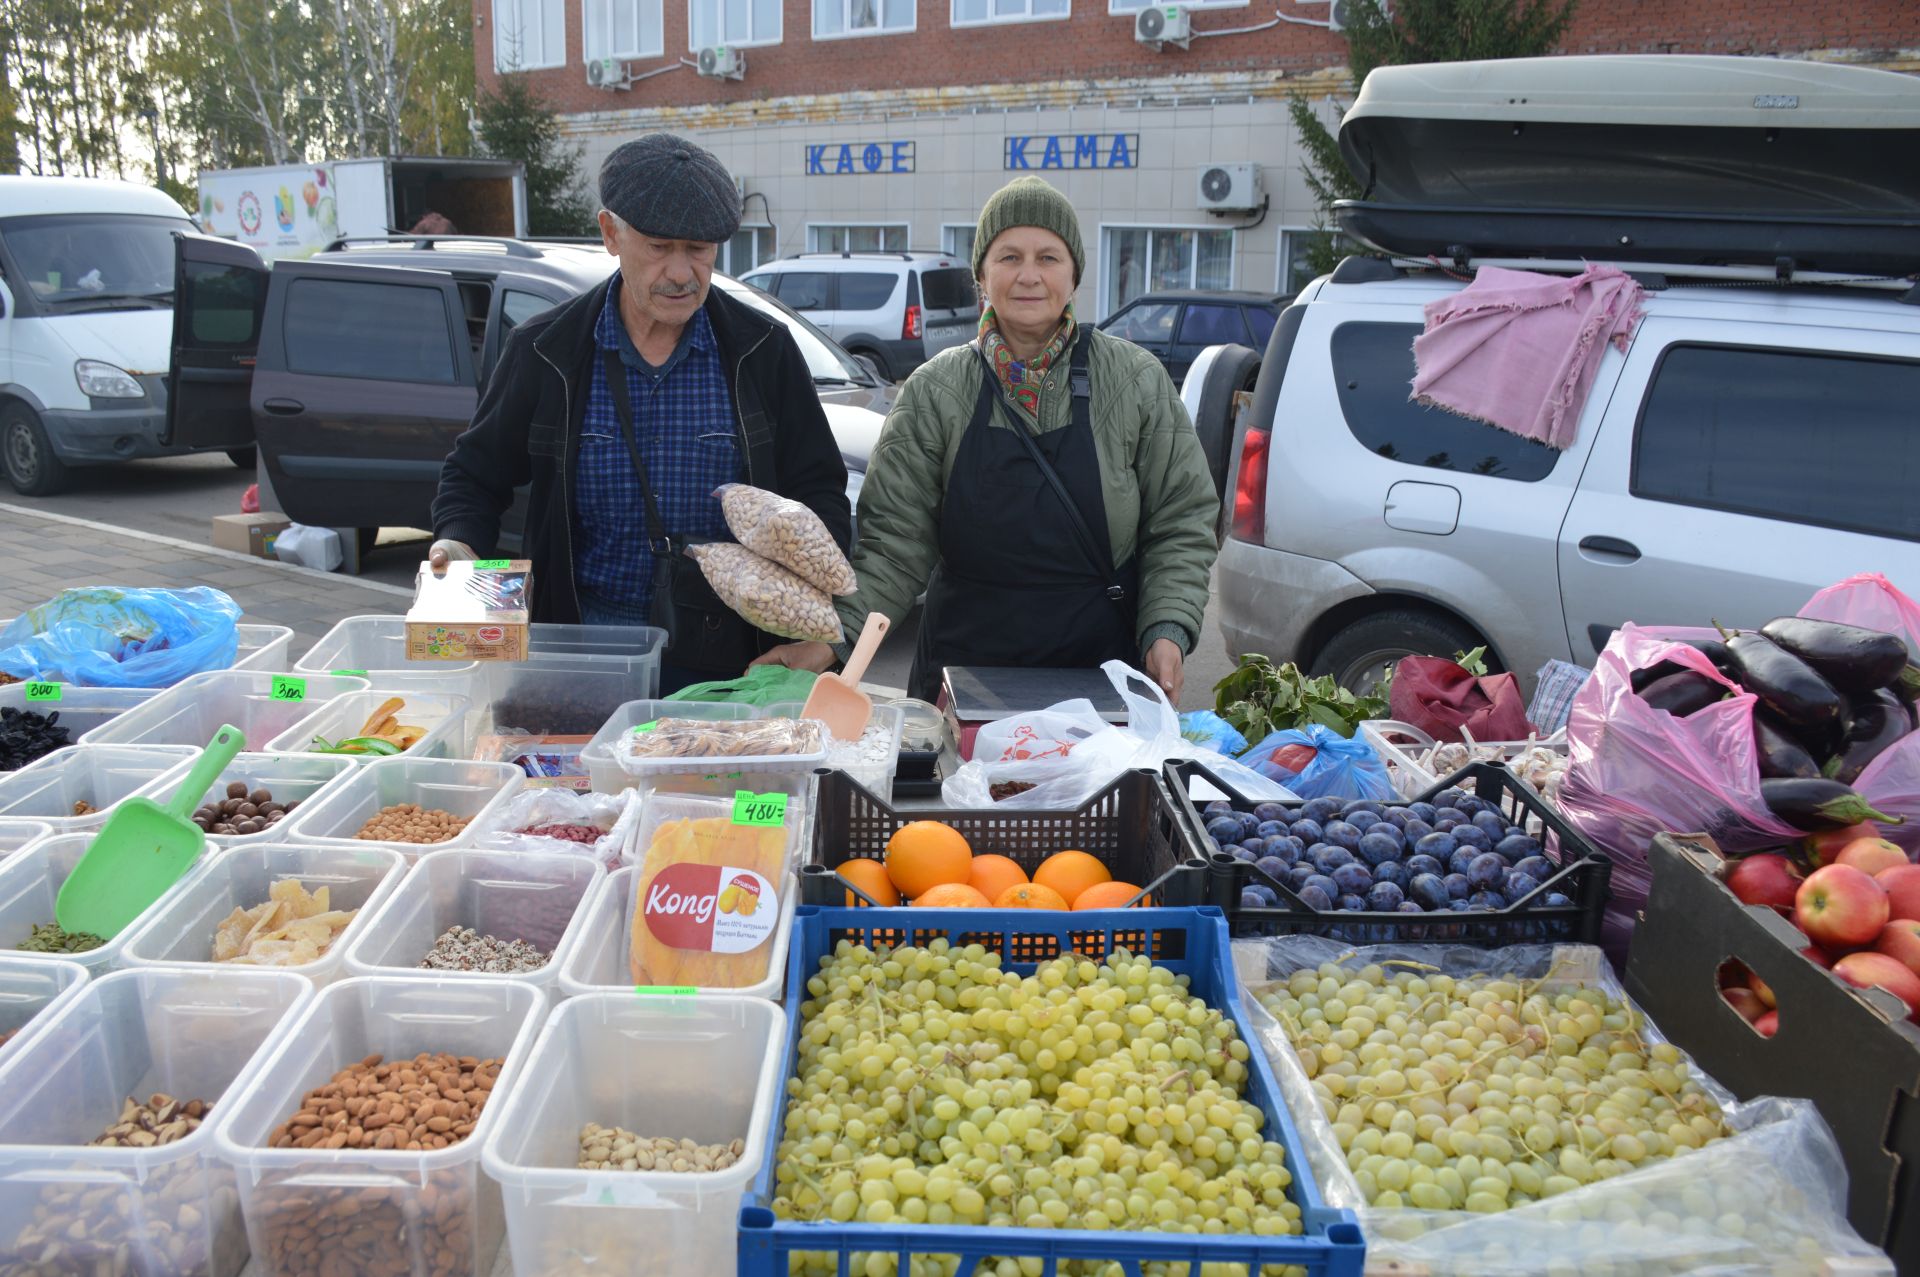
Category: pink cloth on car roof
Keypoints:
(1519, 350)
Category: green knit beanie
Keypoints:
(1028, 201)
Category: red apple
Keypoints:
(1822, 848)
(1765, 990)
(1902, 885)
(1872, 855)
(1769, 879)
(1865, 970)
(1840, 907)
(1817, 956)
(1900, 940)
(1746, 1002)
(1767, 1025)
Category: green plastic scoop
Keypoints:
(142, 850)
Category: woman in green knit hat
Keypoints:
(1043, 484)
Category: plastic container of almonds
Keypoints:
(166, 1209)
(180, 931)
(703, 1068)
(30, 882)
(535, 897)
(462, 789)
(423, 1213)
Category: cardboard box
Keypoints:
(473, 611)
(1853, 1052)
(249, 533)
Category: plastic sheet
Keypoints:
(761, 685)
(100, 636)
(1768, 1199)
(613, 815)
(766, 595)
(1336, 768)
(778, 528)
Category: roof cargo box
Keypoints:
(1705, 160)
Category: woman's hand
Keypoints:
(1166, 665)
(817, 657)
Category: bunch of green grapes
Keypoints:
(934, 1087)
(1480, 1093)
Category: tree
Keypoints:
(1415, 31)
(517, 124)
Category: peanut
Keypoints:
(409, 823)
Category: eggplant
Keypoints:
(1683, 693)
(1849, 657)
(1815, 806)
(1876, 725)
(1787, 685)
(1713, 649)
(1781, 756)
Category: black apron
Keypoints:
(1026, 575)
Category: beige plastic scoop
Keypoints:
(836, 699)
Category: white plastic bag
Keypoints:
(309, 547)
(611, 815)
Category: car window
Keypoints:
(805, 290)
(949, 288)
(865, 290)
(516, 308)
(1810, 438)
(1212, 326)
(765, 280)
(1146, 322)
(825, 359)
(1373, 367)
(386, 332)
(223, 304)
(1261, 322)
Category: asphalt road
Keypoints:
(179, 496)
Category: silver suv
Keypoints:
(895, 311)
(1753, 445)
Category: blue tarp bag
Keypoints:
(101, 636)
(1338, 767)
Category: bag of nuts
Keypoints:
(775, 527)
(766, 595)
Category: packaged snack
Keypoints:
(766, 595)
(707, 738)
(705, 900)
(474, 610)
(775, 527)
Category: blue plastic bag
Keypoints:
(1340, 768)
(100, 636)
(1205, 728)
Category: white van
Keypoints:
(86, 326)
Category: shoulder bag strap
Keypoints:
(616, 373)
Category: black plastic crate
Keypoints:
(1583, 875)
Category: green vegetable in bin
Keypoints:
(1260, 698)
(362, 745)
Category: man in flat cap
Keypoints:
(626, 407)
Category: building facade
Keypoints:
(885, 124)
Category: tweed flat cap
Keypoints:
(666, 186)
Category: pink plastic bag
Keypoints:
(1892, 781)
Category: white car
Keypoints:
(893, 311)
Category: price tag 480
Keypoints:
(765, 810)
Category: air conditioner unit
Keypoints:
(1230, 188)
(1340, 13)
(1163, 25)
(608, 73)
(721, 63)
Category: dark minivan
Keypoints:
(1176, 325)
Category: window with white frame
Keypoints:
(979, 13)
(737, 24)
(833, 19)
(956, 240)
(1134, 6)
(621, 29)
(529, 34)
(749, 247)
(1149, 259)
(890, 238)
(1297, 244)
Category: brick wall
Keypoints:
(1094, 44)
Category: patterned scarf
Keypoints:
(1022, 380)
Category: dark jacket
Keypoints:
(527, 430)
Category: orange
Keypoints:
(1070, 873)
(1029, 895)
(951, 895)
(871, 877)
(926, 853)
(1106, 895)
(993, 874)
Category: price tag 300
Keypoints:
(39, 691)
(289, 689)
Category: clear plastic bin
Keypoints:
(375, 648)
(605, 773)
(704, 1069)
(102, 776)
(298, 778)
(81, 709)
(506, 894)
(871, 759)
(444, 716)
(600, 959)
(16, 835)
(264, 647)
(30, 882)
(464, 788)
(163, 1211)
(190, 713)
(574, 679)
(29, 991)
(361, 1211)
(180, 932)
(611, 770)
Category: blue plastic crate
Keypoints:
(1190, 942)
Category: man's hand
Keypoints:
(1167, 667)
(444, 552)
(817, 657)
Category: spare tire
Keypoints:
(1231, 371)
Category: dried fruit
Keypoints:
(290, 930)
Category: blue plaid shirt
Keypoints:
(684, 424)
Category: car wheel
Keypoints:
(27, 454)
(245, 458)
(1359, 655)
(1231, 372)
(874, 361)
